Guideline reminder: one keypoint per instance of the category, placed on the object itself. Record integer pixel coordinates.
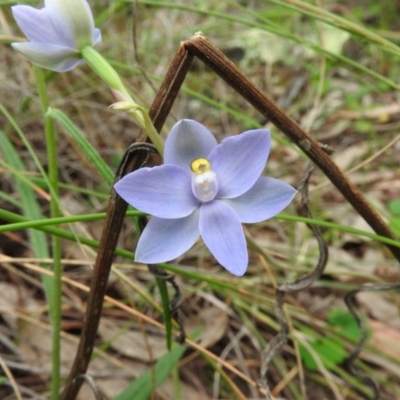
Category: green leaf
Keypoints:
(29, 206)
(91, 153)
(394, 207)
(394, 225)
(307, 358)
(162, 287)
(345, 320)
(330, 351)
(141, 388)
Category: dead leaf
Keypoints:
(13, 298)
(139, 345)
(346, 158)
(380, 307)
(385, 338)
(212, 321)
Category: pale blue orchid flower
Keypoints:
(56, 33)
(204, 189)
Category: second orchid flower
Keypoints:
(57, 33)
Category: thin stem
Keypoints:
(153, 135)
(55, 300)
(107, 73)
(102, 68)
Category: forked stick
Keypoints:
(202, 48)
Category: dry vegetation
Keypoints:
(229, 320)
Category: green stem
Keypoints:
(152, 133)
(55, 301)
(102, 68)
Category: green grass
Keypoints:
(344, 92)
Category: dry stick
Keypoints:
(201, 47)
(113, 224)
(307, 280)
(275, 345)
(205, 51)
(90, 381)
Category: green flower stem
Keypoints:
(104, 70)
(55, 301)
(153, 134)
(107, 73)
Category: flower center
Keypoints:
(200, 165)
(204, 180)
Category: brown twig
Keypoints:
(307, 280)
(275, 345)
(202, 48)
(93, 385)
(113, 225)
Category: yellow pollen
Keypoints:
(200, 165)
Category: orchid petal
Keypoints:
(264, 200)
(223, 234)
(165, 239)
(55, 58)
(73, 19)
(163, 191)
(38, 27)
(57, 33)
(187, 141)
(239, 161)
(242, 195)
(96, 37)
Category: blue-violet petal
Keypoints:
(55, 58)
(267, 198)
(187, 141)
(163, 191)
(96, 37)
(38, 26)
(166, 239)
(72, 18)
(239, 161)
(223, 234)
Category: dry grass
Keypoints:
(229, 320)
